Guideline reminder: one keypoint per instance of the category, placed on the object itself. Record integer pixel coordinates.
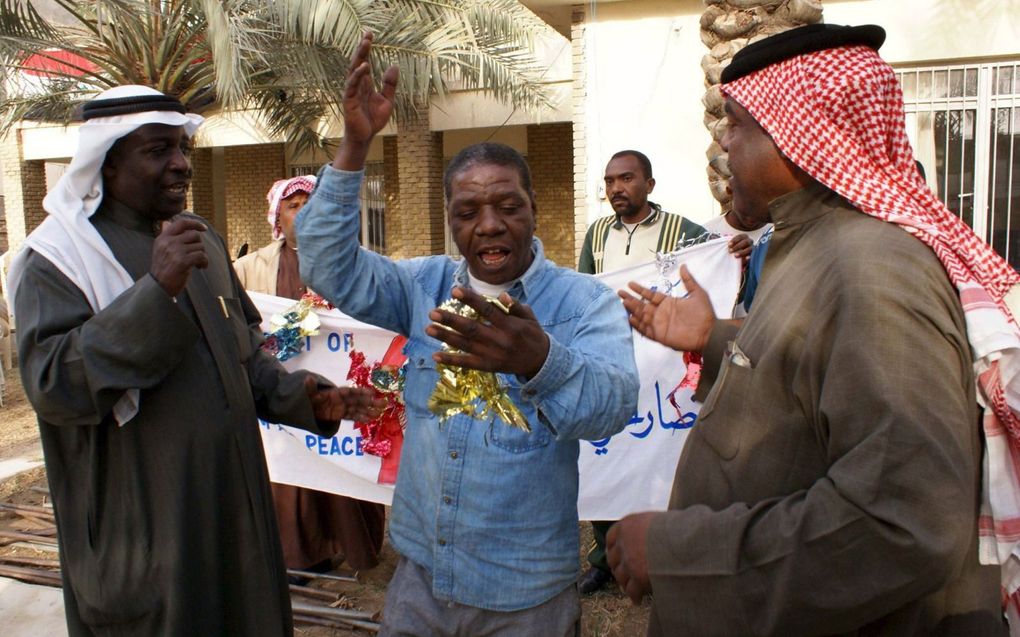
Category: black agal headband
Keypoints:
(132, 104)
(807, 39)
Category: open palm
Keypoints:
(366, 111)
(681, 323)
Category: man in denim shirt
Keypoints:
(484, 515)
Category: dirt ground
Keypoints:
(606, 614)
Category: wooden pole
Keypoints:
(32, 575)
(27, 537)
(31, 561)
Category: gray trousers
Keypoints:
(411, 610)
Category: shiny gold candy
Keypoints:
(471, 392)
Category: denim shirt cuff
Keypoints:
(551, 376)
(339, 186)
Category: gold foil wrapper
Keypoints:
(471, 392)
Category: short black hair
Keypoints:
(646, 163)
(487, 153)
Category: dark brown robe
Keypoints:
(316, 526)
(165, 523)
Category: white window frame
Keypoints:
(982, 103)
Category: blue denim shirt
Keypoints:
(488, 510)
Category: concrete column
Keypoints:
(250, 171)
(200, 199)
(391, 178)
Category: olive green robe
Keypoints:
(831, 483)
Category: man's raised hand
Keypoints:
(366, 111)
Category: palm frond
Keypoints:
(287, 58)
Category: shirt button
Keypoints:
(453, 454)
(442, 542)
(447, 499)
(529, 392)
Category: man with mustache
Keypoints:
(484, 514)
(140, 353)
(637, 230)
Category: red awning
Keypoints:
(56, 63)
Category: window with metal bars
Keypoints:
(373, 203)
(964, 122)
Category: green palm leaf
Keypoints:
(285, 58)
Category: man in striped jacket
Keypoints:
(633, 234)
(638, 228)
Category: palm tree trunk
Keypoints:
(726, 27)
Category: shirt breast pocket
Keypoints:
(724, 414)
(510, 438)
(420, 378)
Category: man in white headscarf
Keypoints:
(273, 268)
(140, 353)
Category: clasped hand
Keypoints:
(177, 250)
(511, 343)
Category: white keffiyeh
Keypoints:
(68, 239)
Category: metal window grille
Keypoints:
(964, 122)
(373, 207)
(304, 169)
(373, 202)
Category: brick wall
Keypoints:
(250, 171)
(580, 168)
(200, 197)
(3, 226)
(414, 224)
(551, 157)
(24, 189)
(391, 192)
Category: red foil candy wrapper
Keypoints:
(384, 435)
(692, 360)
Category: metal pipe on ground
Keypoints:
(334, 613)
(314, 593)
(314, 575)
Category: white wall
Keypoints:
(644, 88)
(645, 83)
(935, 31)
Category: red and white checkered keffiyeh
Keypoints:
(838, 115)
(279, 191)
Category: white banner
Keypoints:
(629, 472)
